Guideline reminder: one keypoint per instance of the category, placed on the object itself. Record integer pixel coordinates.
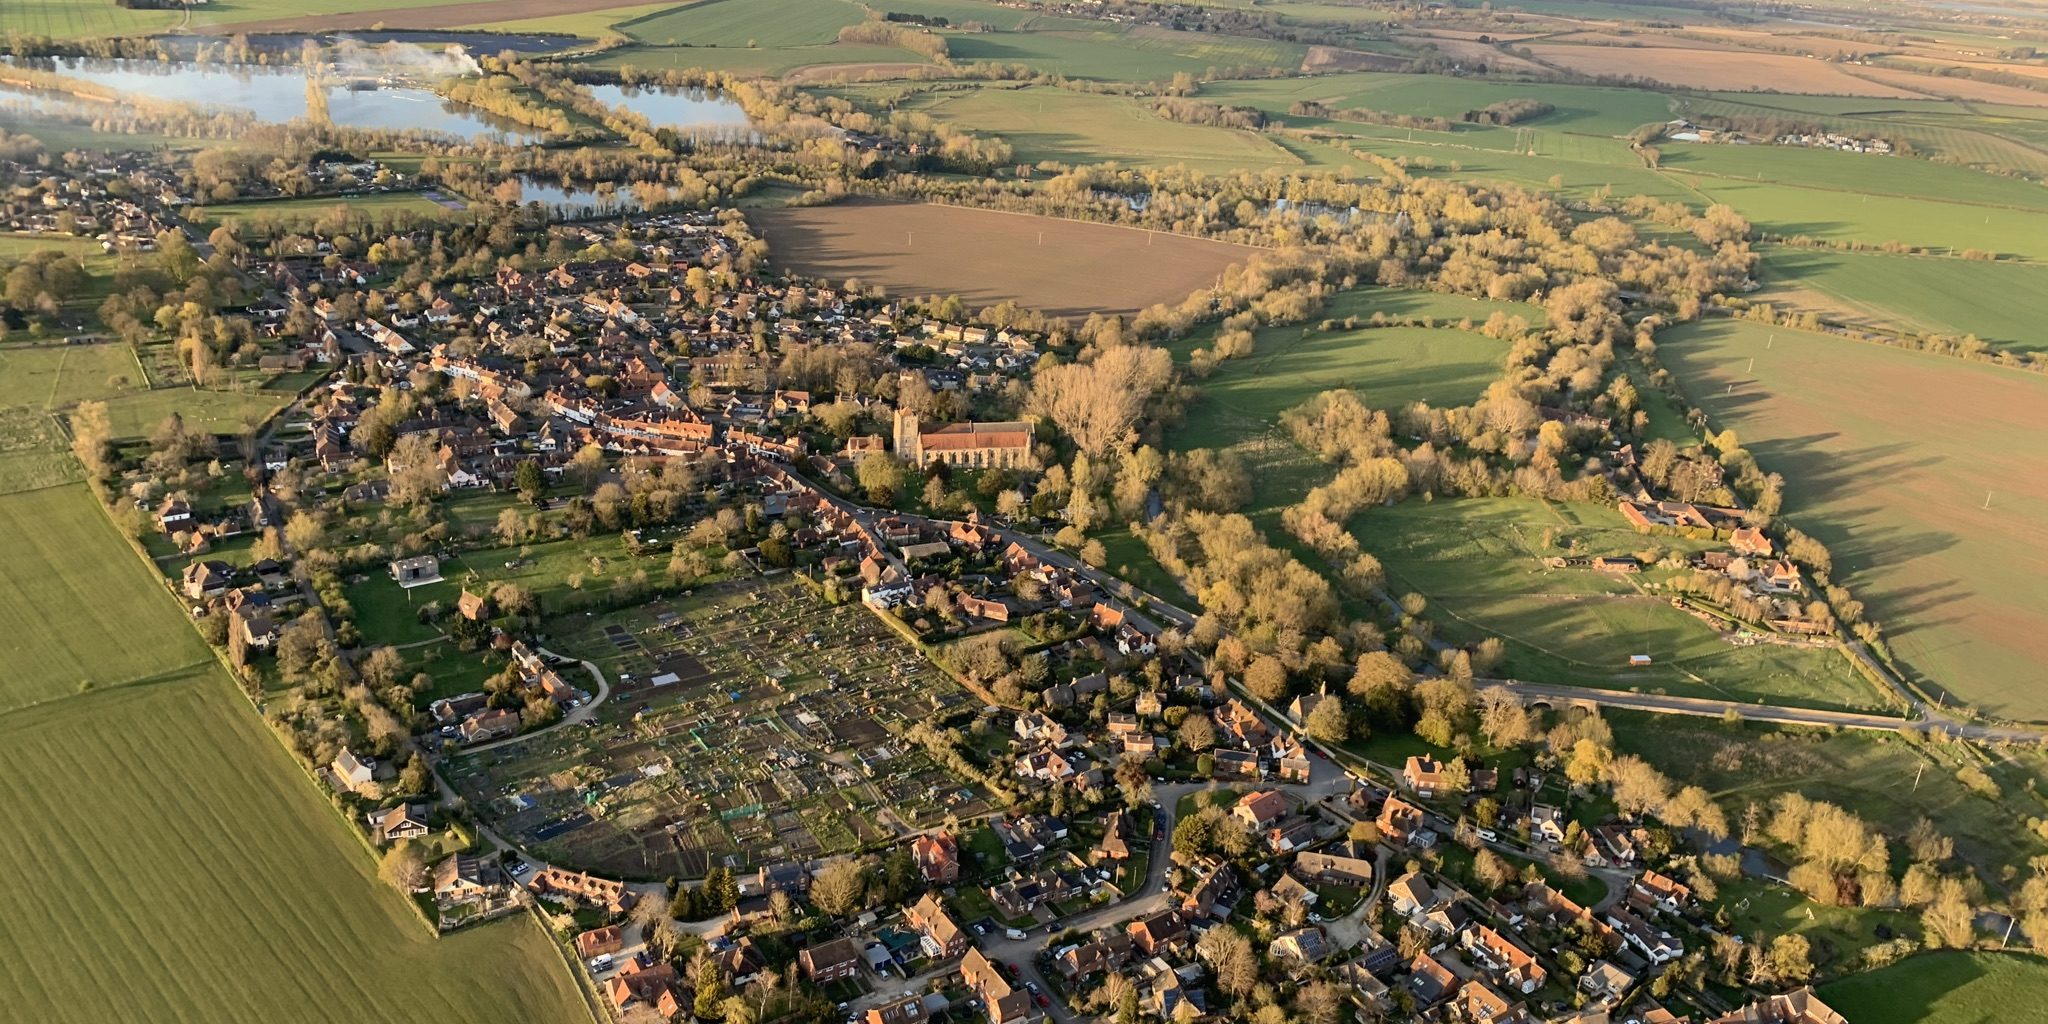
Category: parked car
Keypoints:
(1015, 934)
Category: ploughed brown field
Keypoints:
(1063, 267)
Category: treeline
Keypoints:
(1508, 112)
(1216, 115)
(1361, 115)
(892, 32)
(1960, 346)
(499, 96)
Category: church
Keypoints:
(966, 445)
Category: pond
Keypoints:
(281, 93)
(692, 111)
(572, 203)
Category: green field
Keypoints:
(1889, 458)
(1480, 564)
(312, 208)
(1122, 53)
(2004, 303)
(741, 60)
(1945, 988)
(1886, 779)
(14, 247)
(53, 614)
(1389, 367)
(1856, 173)
(175, 838)
(747, 23)
(135, 414)
(74, 19)
(56, 376)
(1849, 217)
(1583, 110)
(1045, 123)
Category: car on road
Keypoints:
(1044, 1003)
(1015, 934)
(1031, 987)
(1489, 835)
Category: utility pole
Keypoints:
(1916, 776)
(1987, 499)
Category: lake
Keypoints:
(279, 94)
(690, 111)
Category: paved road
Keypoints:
(579, 715)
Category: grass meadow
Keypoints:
(1839, 216)
(1889, 458)
(1122, 53)
(176, 839)
(1950, 987)
(311, 208)
(1480, 564)
(1082, 128)
(2003, 303)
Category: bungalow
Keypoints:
(405, 821)
(1661, 892)
(831, 961)
(1411, 896)
(463, 877)
(1214, 890)
(1800, 1006)
(1547, 823)
(910, 1009)
(485, 726)
(1605, 981)
(174, 515)
(1303, 946)
(1751, 541)
(1478, 1002)
(1337, 866)
(603, 893)
(473, 607)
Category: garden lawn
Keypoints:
(1890, 458)
(1479, 561)
(1949, 987)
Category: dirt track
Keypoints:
(477, 12)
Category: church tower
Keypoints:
(909, 445)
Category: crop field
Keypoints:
(54, 601)
(1890, 458)
(1080, 128)
(1991, 137)
(781, 60)
(209, 870)
(1870, 773)
(74, 19)
(764, 23)
(1586, 110)
(1943, 988)
(1123, 53)
(1480, 564)
(1693, 68)
(223, 16)
(750, 722)
(1857, 173)
(1064, 267)
(2004, 303)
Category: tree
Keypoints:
(1329, 722)
(840, 889)
(1266, 678)
(1791, 959)
(403, 866)
(1639, 789)
(1588, 763)
(1197, 733)
(92, 439)
(417, 476)
(1492, 870)
(529, 480)
(1949, 920)
(879, 475)
(1230, 958)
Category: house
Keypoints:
(417, 571)
(1005, 1005)
(938, 857)
(1411, 896)
(1605, 981)
(1113, 847)
(653, 985)
(174, 515)
(1479, 1003)
(600, 941)
(906, 1010)
(1424, 775)
(1260, 809)
(1547, 824)
(210, 578)
(1304, 946)
(351, 774)
(1800, 1006)
(1658, 945)
(1510, 964)
(405, 821)
(474, 607)
(1085, 960)
(1305, 705)
(1399, 820)
(1214, 890)
(1661, 891)
(1290, 759)
(831, 961)
(1750, 541)
(786, 877)
(1429, 981)
(938, 933)
(1242, 724)
(1234, 764)
(1157, 931)
(463, 877)
(603, 893)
